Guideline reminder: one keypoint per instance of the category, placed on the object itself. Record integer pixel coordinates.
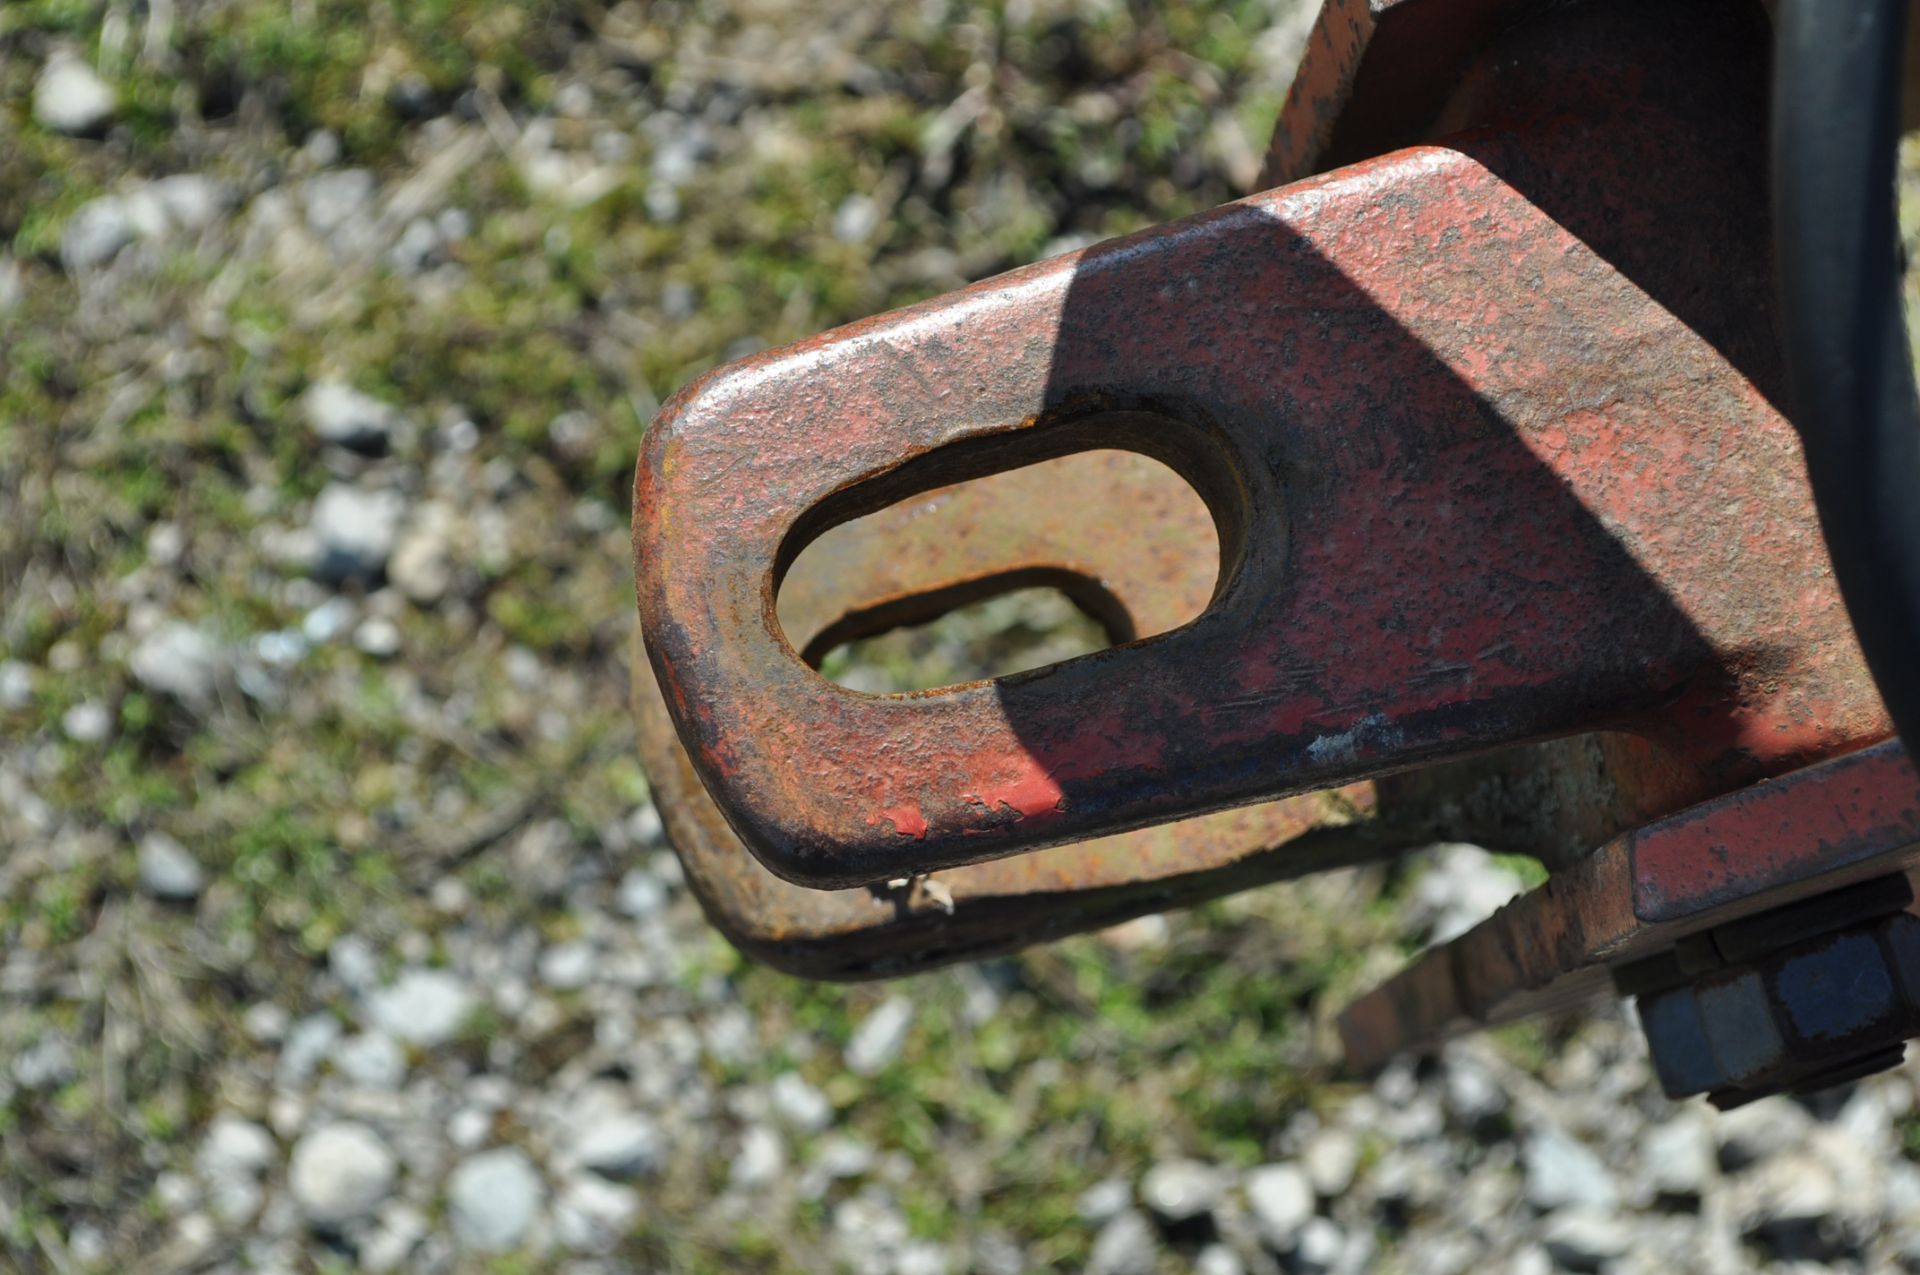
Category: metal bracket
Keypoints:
(1515, 542)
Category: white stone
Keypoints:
(167, 869)
(287, 1114)
(371, 1060)
(392, 1242)
(340, 1173)
(1473, 1095)
(878, 1039)
(1104, 1201)
(88, 1245)
(1677, 1155)
(179, 660)
(855, 220)
(354, 530)
(920, 1257)
(621, 1146)
(70, 97)
(235, 1148)
(646, 829)
(378, 637)
(334, 198)
(327, 621)
(417, 248)
(492, 1199)
(1180, 1190)
(421, 566)
(593, 1215)
(1218, 1259)
(346, 417)
(1760, 1130)
(728, 1034)
(802, 1106)
(1330, 1160)
(1125, 1246)
(1463, 887)
(308, 1043)
(1584, 1239)
(868, 1232)
(1561, 1172)
(1792, 1190)
(425, 1007)
(354, 961)
(191, 201)
(16, 685)
(1281, 1198)
(761, 1157)
(840, 1157)
(95, 233)
(166, 545)
(567, 966)
(194, 1234)
(88, 722)
(469, 1127)
(1319, 1247)
(234, 1200)
(175, 1192)
(642, 894)
(265, 1022)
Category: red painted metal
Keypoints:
(1485, 427)
(1513, 545)
(1134, 546)
(1846, 820)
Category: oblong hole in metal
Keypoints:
(1127, 540)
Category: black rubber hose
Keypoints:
(1836, 122)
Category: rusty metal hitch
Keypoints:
(1505, 538)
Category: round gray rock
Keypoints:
(96, 233)
(180, 661)
(879, 1037)
(340, 1173)
(235, 1148)
(622, 1146)
(1319, 1247)
(423, 1007)
(1281, 1199)
(1585, 1239)
(1330, 1160)
(342, 415)
(70, 97)
(1179, 1190)
(167, 869)
(371, 1060)
(354, 531)
(1125, 1246)
(1560, 1172)
(492, 1199)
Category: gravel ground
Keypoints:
(339, 932)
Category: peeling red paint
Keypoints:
(907, 821)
